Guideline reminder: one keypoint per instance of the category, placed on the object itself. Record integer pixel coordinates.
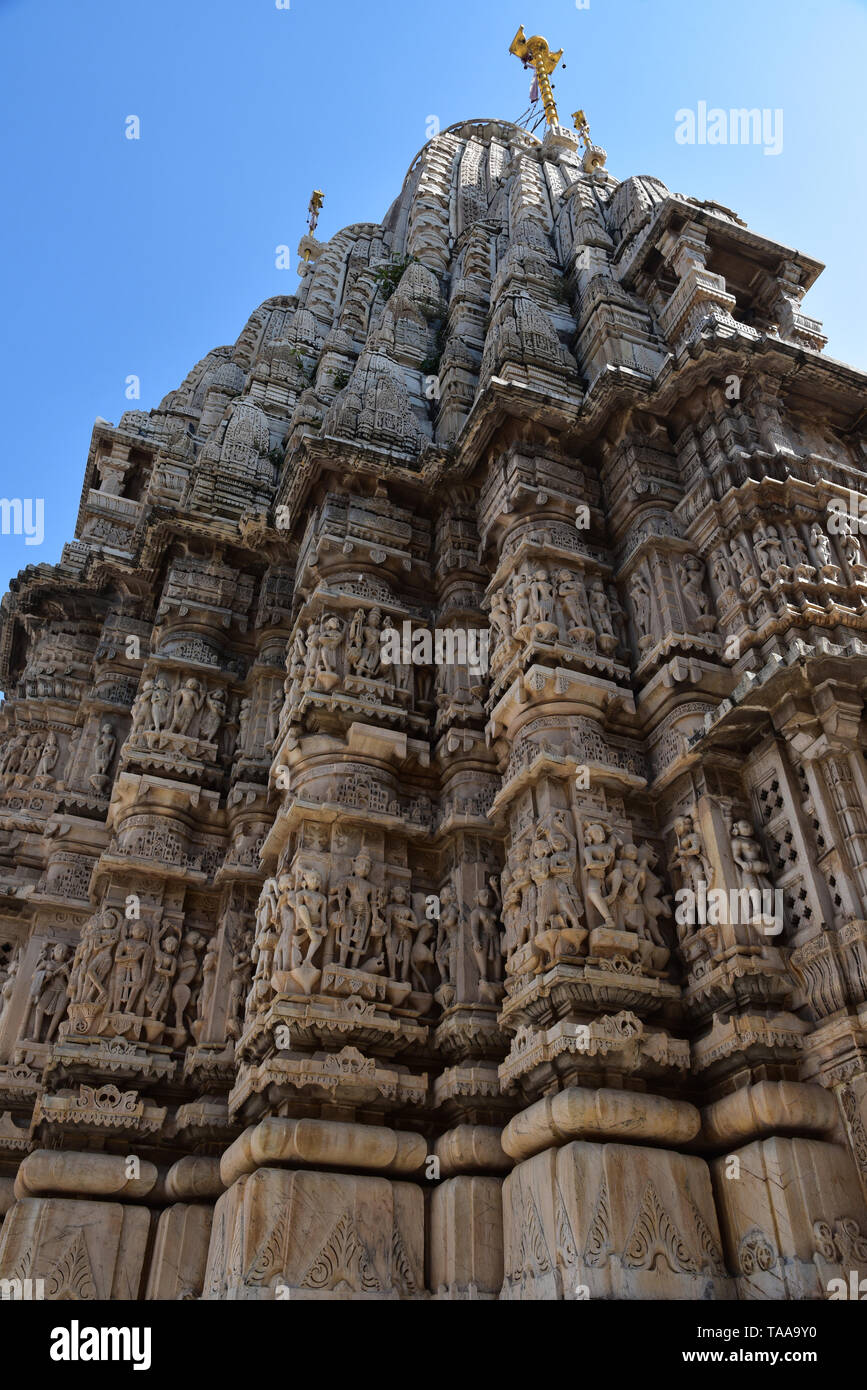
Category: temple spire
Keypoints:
(535, 53)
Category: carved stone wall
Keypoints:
(433, 810)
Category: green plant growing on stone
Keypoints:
(389, 276)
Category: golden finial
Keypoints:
(594, 157)
(535, 53)
(581, 126)
(317, 198)
(316, 201)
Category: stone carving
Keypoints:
(48, 993)
(285, 914)
(103, 754)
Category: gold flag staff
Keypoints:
(316, 201)
(317, 198)
(535, 53)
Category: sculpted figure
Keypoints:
(821, 545)
(275, 912)
(161, 704)
(131, 970)
(142, 710)
(310, 904)
(165, 964)
(243, 723)
(401, 928)
(311, 657)
(7, 983)
(209, 981)
(851, 544)
(11, 758)
(30, 755)
(365, 646)
(330, 641)
(600, 609)
(521, 585)
(567, 908)
(273, 720)
(599, 860)
(721, 572)
(47, 763)
(447, 935)
(270, 916)
(213, 714)
(691, 576)
(501, 620)
(94, 957)
(541, 599)
(631, 915)
(769, 550)
(656, 903)
(797, 550)
(689, 857)
(188, 969)
(48, 992)
(356, 911)
(519, 896)
(485, 934)
(187, 703)
(744, 566)
(748, 856)
(238, 986)
(640, 593)
(421, 955)
(573, 598)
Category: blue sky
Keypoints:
(124, 257)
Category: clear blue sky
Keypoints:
(128, 257)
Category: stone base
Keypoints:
(84, 1251)
(611, 1221)
(466, 1238)
(793, 1217)
(301, 1235)
(180, 1254)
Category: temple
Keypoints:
(526, 959)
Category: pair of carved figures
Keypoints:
(332, 651)
(354, 923)
(537, 605)
(538, 884)
(622, 885)
(694, 601)
(485, 929)
(692, 864)
(126, 969)
(189, 710)
(779, 551)
(35, 755)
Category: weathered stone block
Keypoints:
(177, 1268)
(792, 1217)
(83, 1250)
(611, 1221)
(316, 1235)
(466, 1237)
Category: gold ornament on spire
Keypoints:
(317, 198)
(535, 53)
(316, 201)
(594, 157)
